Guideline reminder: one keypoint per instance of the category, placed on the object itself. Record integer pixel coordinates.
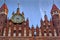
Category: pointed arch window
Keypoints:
(40, 34)
(25, 32)
(50, 33)
(14, 33)
(19, 32)
(55, 33)
(4, 32)
(30, 33)
(45, 34)
(9, 32)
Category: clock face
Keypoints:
(17, 18)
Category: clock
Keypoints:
(17, 18)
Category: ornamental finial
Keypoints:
(4, 1)
(18, 5)
(53, 1)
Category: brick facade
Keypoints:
(49, 30)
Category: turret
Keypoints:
(41, 21)
(13, 13)
(55, 17)
(18, 10)
(32, 29)
(54, 9)
(4, 9)
(46, 20)
(23, 13)
(27, 21)
(37, 30)
(3, 17)
(45, 17)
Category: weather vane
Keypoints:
(53, 1)
(4, 1)
(18, 5)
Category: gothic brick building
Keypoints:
(17, 28)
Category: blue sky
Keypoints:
(33, 9)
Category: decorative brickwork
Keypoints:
(9, 30)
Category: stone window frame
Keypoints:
(30, 33)
(14, 33)
(50, 33)
(4, 33)
(25, 32)
(9, 32)
(45, 33)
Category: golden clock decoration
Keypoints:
(17, 18)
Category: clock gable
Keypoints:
(17, 18)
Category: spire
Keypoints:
(18, 5)
(4, 1)
(13, 13)
(32, 26)
(45, 16)
(23, 13)
(50, 20)
(4, 7)
(53, 1)
(27, 20)
(18, 9)
(41, 21)
(37, 26)
(54, 8)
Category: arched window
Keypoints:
(19, 33)
(14, 33)
(50, 33)
(40, 32)
(35, 33)
(30, 33)
(55, 34)
(9, 32)
(25, 32)
(4, 31)
(45, 34)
